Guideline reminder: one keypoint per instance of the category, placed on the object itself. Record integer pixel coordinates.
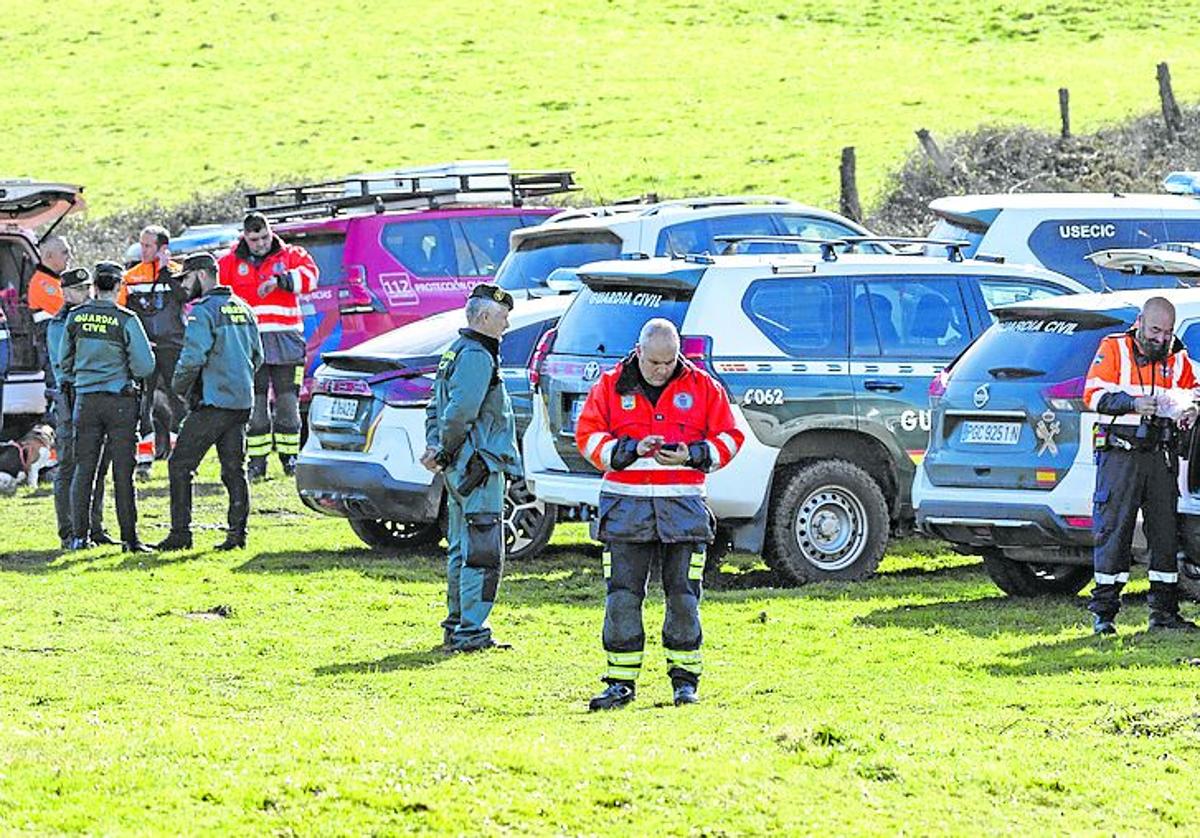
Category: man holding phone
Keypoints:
(655, 425)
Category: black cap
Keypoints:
(200, 262)
(495, 293)
(76, 276)
(108, 275)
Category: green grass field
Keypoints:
(680, 97)
(921, 702)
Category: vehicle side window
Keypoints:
(517, 345)
(698, 236)
(804, 318)
(921, 317)
(482, 243)
(425, 248)
(998, 292)
(1191, 339)
(818, 228)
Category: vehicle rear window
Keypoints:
(536, 258)
(699, 236)
(326, 250)
(949, 231)
(1051, 345)
(606, 321)
(482, 243)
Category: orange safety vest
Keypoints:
(143, 273)
(45, 294)
(692, 408)
(1120, 368)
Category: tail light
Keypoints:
(1065, 395)
(697, 349)
(539, 357)
(408, 388)
(1082, 522)
(937, 387)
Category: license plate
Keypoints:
(576, 410)
(337, 410)
(991, 433)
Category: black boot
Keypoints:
(175, 541)
(1171, 621)
(616, 694)
(1102, 624)
(685, 693)
(256, 469)
(233, 541)
(288, 461)
(135, 547)
(101, 537)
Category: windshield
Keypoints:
(537, 257)
(1051, 345)
(607, 321)
(949, 231)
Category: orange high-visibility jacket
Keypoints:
(1120, 368)
(144, 274)
(278, 311)
(45, 294)
(693, 408)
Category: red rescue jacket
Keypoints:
(278, 311)
(692, 409)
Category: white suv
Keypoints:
(827, 358)
(543, 258)
(1059, 230)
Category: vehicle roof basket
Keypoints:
(414, 189)
(717, 201)
(828, 246)
(954, 247)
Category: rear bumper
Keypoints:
(365, 490)
(974, 524)
(564, 488)
(25, 393)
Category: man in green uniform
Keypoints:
(471, 439)
(76, 290)
(215, 376)
(104, 353)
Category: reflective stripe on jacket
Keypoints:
(1121, 372)
(692, 409)
(278, 311)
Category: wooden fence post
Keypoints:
(849, 204)
(1064, 111)
(1172, 116)
(932, 151)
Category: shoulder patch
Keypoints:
(628, 402)
(447, 356)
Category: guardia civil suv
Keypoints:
(827, 358)
(1009, 473)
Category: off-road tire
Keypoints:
(395, 535)
(1029, 579)
(828, 520)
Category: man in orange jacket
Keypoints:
(152, 291)
(1143, 381)
(271, 276)
(655, 425)
(45, 297)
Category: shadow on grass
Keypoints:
(983, 617)
(43, 561)
(199, 490)
(400, 660)
(1133, 648)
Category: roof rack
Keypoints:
(717, 201)
(828, 246)
(417, 188)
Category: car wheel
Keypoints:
(396, 535)
(1035, 578)
(829, 520)
(528, 522)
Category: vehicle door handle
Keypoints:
(883, 386)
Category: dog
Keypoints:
(24, 459)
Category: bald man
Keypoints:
(1141, 383)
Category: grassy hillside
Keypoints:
(293, 690)
(682, 97)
